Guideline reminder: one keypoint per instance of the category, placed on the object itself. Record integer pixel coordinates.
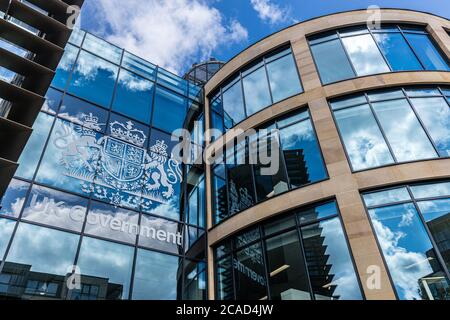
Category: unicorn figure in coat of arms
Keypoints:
(118, 167)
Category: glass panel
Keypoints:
(77, 36)
(286, 267)
(112, 223)
(107, 265)
(169, 110)
(364, 54)
(437, 216)
(30, 156)
(71, 158)
(102, 48)
(332, 61)
(385, 95)
(128, 131)
(431, 190)
(270, 179)
(302, 155)
(52, 100)
(240, 182)
(194, 280)
(39, 253)
(138, 65)
(156, 276)
(65, 67)
(329, 263)
(347, 102)
(161, 234)
(385, 197)
(420, 92)
(224, 274)
(55, 208)
(172, 81)
(6, 230)
(409, 254)
(93, 79)
(284, 79)
(220, 199)
(291, 119)
(134, 97)
(435, 114)
(12, 202)
(404, 132)
(279, 224)
(397, 51)
(250, 274)
(317, 212)
(247, 237)
(363, 140)
(427, 52)
(83, 113)
(233, 103)
(256, 91)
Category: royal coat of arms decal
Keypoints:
(117, 168)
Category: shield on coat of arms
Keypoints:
(122, 160)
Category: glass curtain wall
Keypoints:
(244, 178)
(360, 51)
(412, 225)
(300, 256)
(98, 187)
(394, 126)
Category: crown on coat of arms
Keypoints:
(90, 125)
(128, 133)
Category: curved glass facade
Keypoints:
(239, 183)
(98, 187)
(394, 126)
(361, 51)
(300, 256)
(264, 82)
(412, 224)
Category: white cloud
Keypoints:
(173, 34)
(271, 12)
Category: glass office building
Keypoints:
(358, 207)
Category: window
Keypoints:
(12, 202)
(408, 125)
(156, 276)
(264, 82)
(134, 97)
(60, 163)
(359, 51)
(6, 230)
(108, 222)
(52, 100)
(364, 55)
(293, 159)
(288, 256)
(194, 280)
(30, 156)
(138, 66)
(418, 266)
(283, 77)
(55, 208)
(83, 113)
(233, 103)
(332, 62)
(102, 48)
(42, 250)
(65, 67)
(169, 110)
(256, 90)
(109, 264)
(161, 234)
(93, 79)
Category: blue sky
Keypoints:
(177, 33)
